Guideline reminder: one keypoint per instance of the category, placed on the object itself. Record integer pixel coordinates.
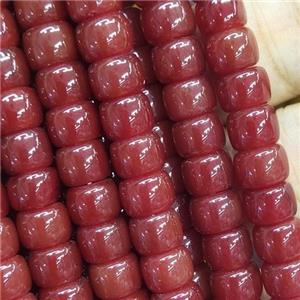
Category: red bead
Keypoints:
(34, 13)
(244, 89)
(116, 77)
(117, 279)
(232, 50)
(63, 84)
(9, 35)
(104, 37)
(55, 266)
(82, 10)
(82, 164)
(181, 206)
(79, 289)
(14, 69)
(44, 228)
(207, 175)
(9, 239)
(26, 151)
(282, 280)
(73, 124)
(270, 206)
(4, 206)
(28, 296)
(253, 128)
(93, 204)
(156, 234)
(21, 109)
(15, 278)
(146, 196)
(49, 44)
(216, 213)
(178, 60)
(136, 157)
(105, 243)
(126, 117)
(139, 295)
(189, 99)
(201, 278)
(160, 277)
(261, 168)
(167, 21)
(216, 16)
(192, 241)
(33, 190)
(242, 284)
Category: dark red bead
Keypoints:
(9, 35)
(9, 239)
(192, 241)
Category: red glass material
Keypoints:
(156, 234)
(232, 50)
(261, 168)
(20, 109)
(26, 151)
(93, 204)
(192, 241)
(44, 228)
(4, 206)
(9, 239)
(9, 35)
(139, 295)
(178, 60)
(82, 164)
(103, 244)
(49, 44)
(117, 279)
(146, 196)
(55, 266)
(28, 296)
(201, 278)
(104, 37)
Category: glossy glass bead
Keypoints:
(26, 151)
(178, 60)
(261, 168)
(9, 35)
(117, 279)
(146, 196)
(232, 50)
(82, 164)
(66, 83)
(20, 109)
(93, 204)
(207, 175)
(9, 239)
(49, 44)
(4, 206)
(192, 241)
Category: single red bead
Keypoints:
(181, 206)
(242, 284)
(21, 109)
(206, 175)
(33, 190)
(137, 157)
(33, 13)
(116, 77)
(189, 99)
(49, 44)
(9, 239)
(26, 151)
(282, 280)
(65, 83)
(9, 35)
(4, 206)
(167, 21)
(178, 60)
(156, 234)
(55, 266)
(167, 272)
(117, 279)
(44, 228)
(216, 16)
(270, 206)
(14, 69)
(192, 241)
(15, 280)
(139, 295)
(93, 204)
(146, 196)
(244, 89)
(104, 243)
(261, 168)
(82, 164)
(126, 117)
(201, 278)
(216, 213)
(79, 289)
